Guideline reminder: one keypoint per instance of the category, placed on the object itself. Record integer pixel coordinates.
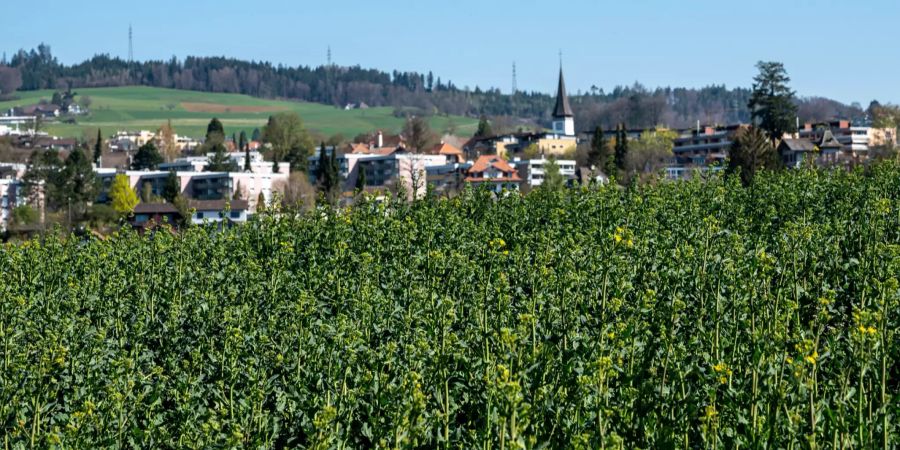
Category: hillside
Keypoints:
(135, 108)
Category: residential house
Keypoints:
(147, 216)
(494, 172)
(214, 211)
(532, 171)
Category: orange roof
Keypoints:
(359, 148)
(446, 149)
(513, 177)
(486, 161)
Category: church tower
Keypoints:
(563, 118)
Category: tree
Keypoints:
(146, 192)
(650, 152)
(79, 180)
(621, 147)
(220, 161)
(238, 192)
(597, 152)
(98, 147)
(10, 80)
(247, 167)
(751, 151)
(171, 188)
(215, 130)
(327, 174)
(147, 157)
(256, 135)
(484, 128)
(260, 202)
(296, 193)
(242, 143)
(44, 175)
(166, 139)
(418, 134)
(85, 101)
(361, 179)
(289, 140)
(771, 104)
(553, 179)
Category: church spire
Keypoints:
(563, 109)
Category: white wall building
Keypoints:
(532, 171)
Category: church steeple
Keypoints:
(563, 109)
(563, 117)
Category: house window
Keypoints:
(235, 214)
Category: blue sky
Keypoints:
(838, 49)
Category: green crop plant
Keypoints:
(699, 314)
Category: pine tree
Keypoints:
(772, 101)
(484, 128)
(220, 161)
(751, 152)
(247, 167)
(98, 147)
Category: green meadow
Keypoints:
(147, 108)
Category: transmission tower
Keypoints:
(329, 56)
(130, 45)
(515, 85)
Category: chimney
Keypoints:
(380, 139)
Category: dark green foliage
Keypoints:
(772, 101)
(750, 153)
(215, 130)
(172, 188)
(484, 128)
(699, 314)
(147, 157)
(621, 148)
(98, 147)
(220, 161)
(361, 179)
(327, 174)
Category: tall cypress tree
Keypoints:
(621, 146)
(98, 147)
(361, 179)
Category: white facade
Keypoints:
(532, 171)
(564, 126)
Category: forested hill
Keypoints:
(414, 92)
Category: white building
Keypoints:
(533, 171)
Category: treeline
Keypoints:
(418, 93)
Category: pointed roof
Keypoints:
(563, 109)
(829, 141)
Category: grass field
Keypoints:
(136, 108)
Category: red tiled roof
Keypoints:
(445, 149)
(486, 161)
(513, 178)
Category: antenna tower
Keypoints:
(515, 85)
(329, 56)
(130, 45)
